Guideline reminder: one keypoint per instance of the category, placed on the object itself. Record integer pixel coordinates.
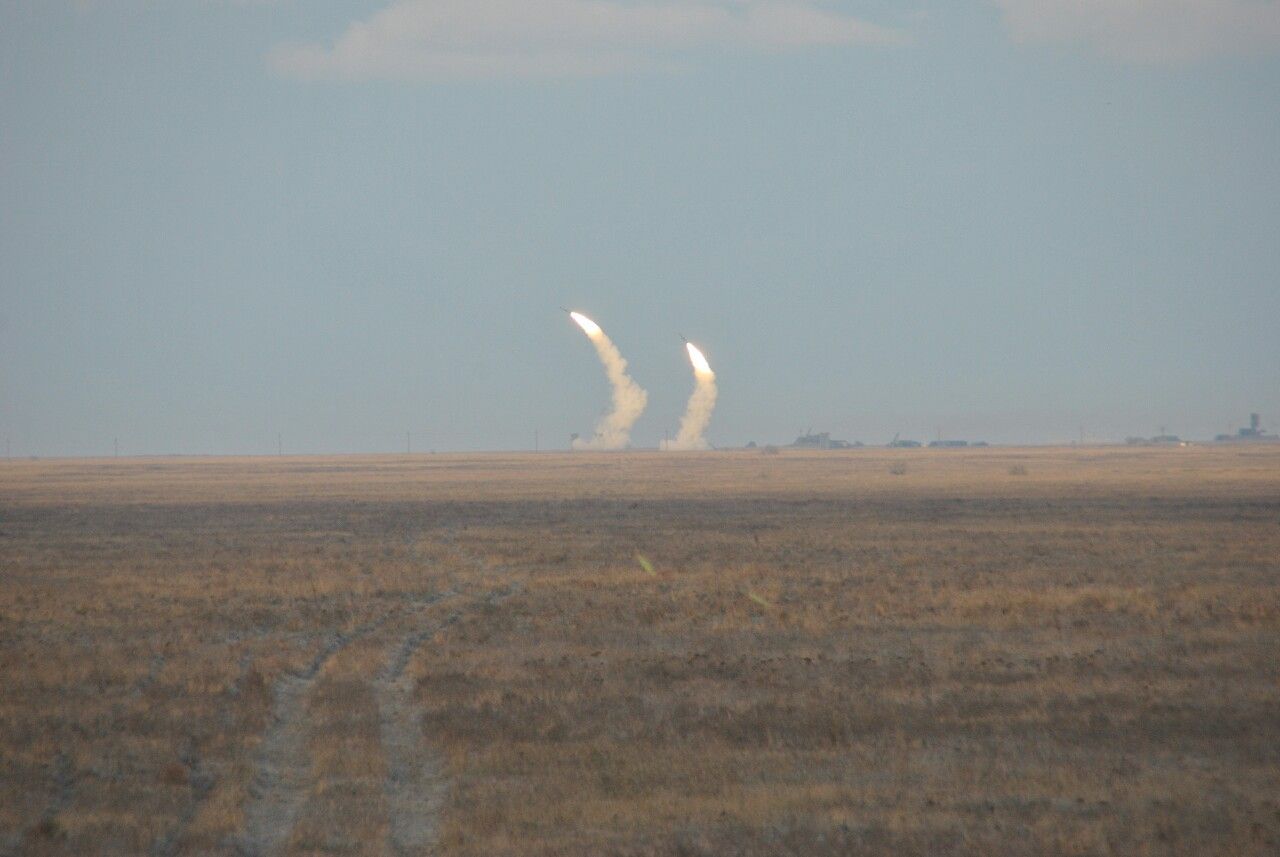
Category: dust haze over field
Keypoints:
(987, 652)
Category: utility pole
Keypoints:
(535, 440)
(280, 444)
(115, 446)
(408, 443)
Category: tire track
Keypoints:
(415, 785)
(201, 782)
(280, 787)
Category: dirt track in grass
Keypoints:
(879, 652)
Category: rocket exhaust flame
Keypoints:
(700, 364)
(629, 398)
(697, 415)
(589, 327)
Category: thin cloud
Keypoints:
(479, 39)
(1152, 31)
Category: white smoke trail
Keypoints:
(697, 415)
(629, 398)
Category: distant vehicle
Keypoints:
(822, 440)
(1158, 440)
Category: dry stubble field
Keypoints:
(994, 652)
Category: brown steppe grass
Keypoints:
(901, 652)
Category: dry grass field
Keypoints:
(986, 652)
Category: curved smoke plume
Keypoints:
(629, 398)
(697, 415)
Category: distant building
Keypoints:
(947, 444)
(1253, 434)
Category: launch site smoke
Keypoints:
(697, 414)
(613, 431)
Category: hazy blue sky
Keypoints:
(220, 221)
